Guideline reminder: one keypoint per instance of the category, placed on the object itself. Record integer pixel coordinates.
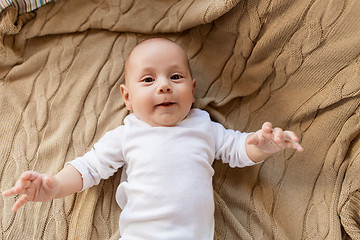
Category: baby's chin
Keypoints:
(165, 121)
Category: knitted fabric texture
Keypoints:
(294, 63)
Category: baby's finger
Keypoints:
(289, 135)
(298, 147)
(9, 192)
(21, 186)
(21, 201)
(295, 145)
(17, 189)
(29, 175)
(278, 135)
(267, 127)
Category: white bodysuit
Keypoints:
(168, 192)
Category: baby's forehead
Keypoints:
(160, 41)
(154, 44)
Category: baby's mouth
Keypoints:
(165, 104)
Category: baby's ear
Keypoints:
(125, 93)
(194, 87)
(194, 84)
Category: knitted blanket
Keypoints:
(294, 63)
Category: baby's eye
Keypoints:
(148, 80)
(175, 77)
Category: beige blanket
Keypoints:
(292, 62)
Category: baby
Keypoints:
(166, 149)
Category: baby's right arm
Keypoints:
(37, 187)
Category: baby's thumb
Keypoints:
(252, 139)
(49, 182)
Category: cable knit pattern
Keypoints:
(295, 63)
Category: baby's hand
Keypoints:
(35, 187)
(271, 140)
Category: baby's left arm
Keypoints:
(269, 140)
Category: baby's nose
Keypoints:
(165, 89)
(164, 86)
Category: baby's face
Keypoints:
(159, 87)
